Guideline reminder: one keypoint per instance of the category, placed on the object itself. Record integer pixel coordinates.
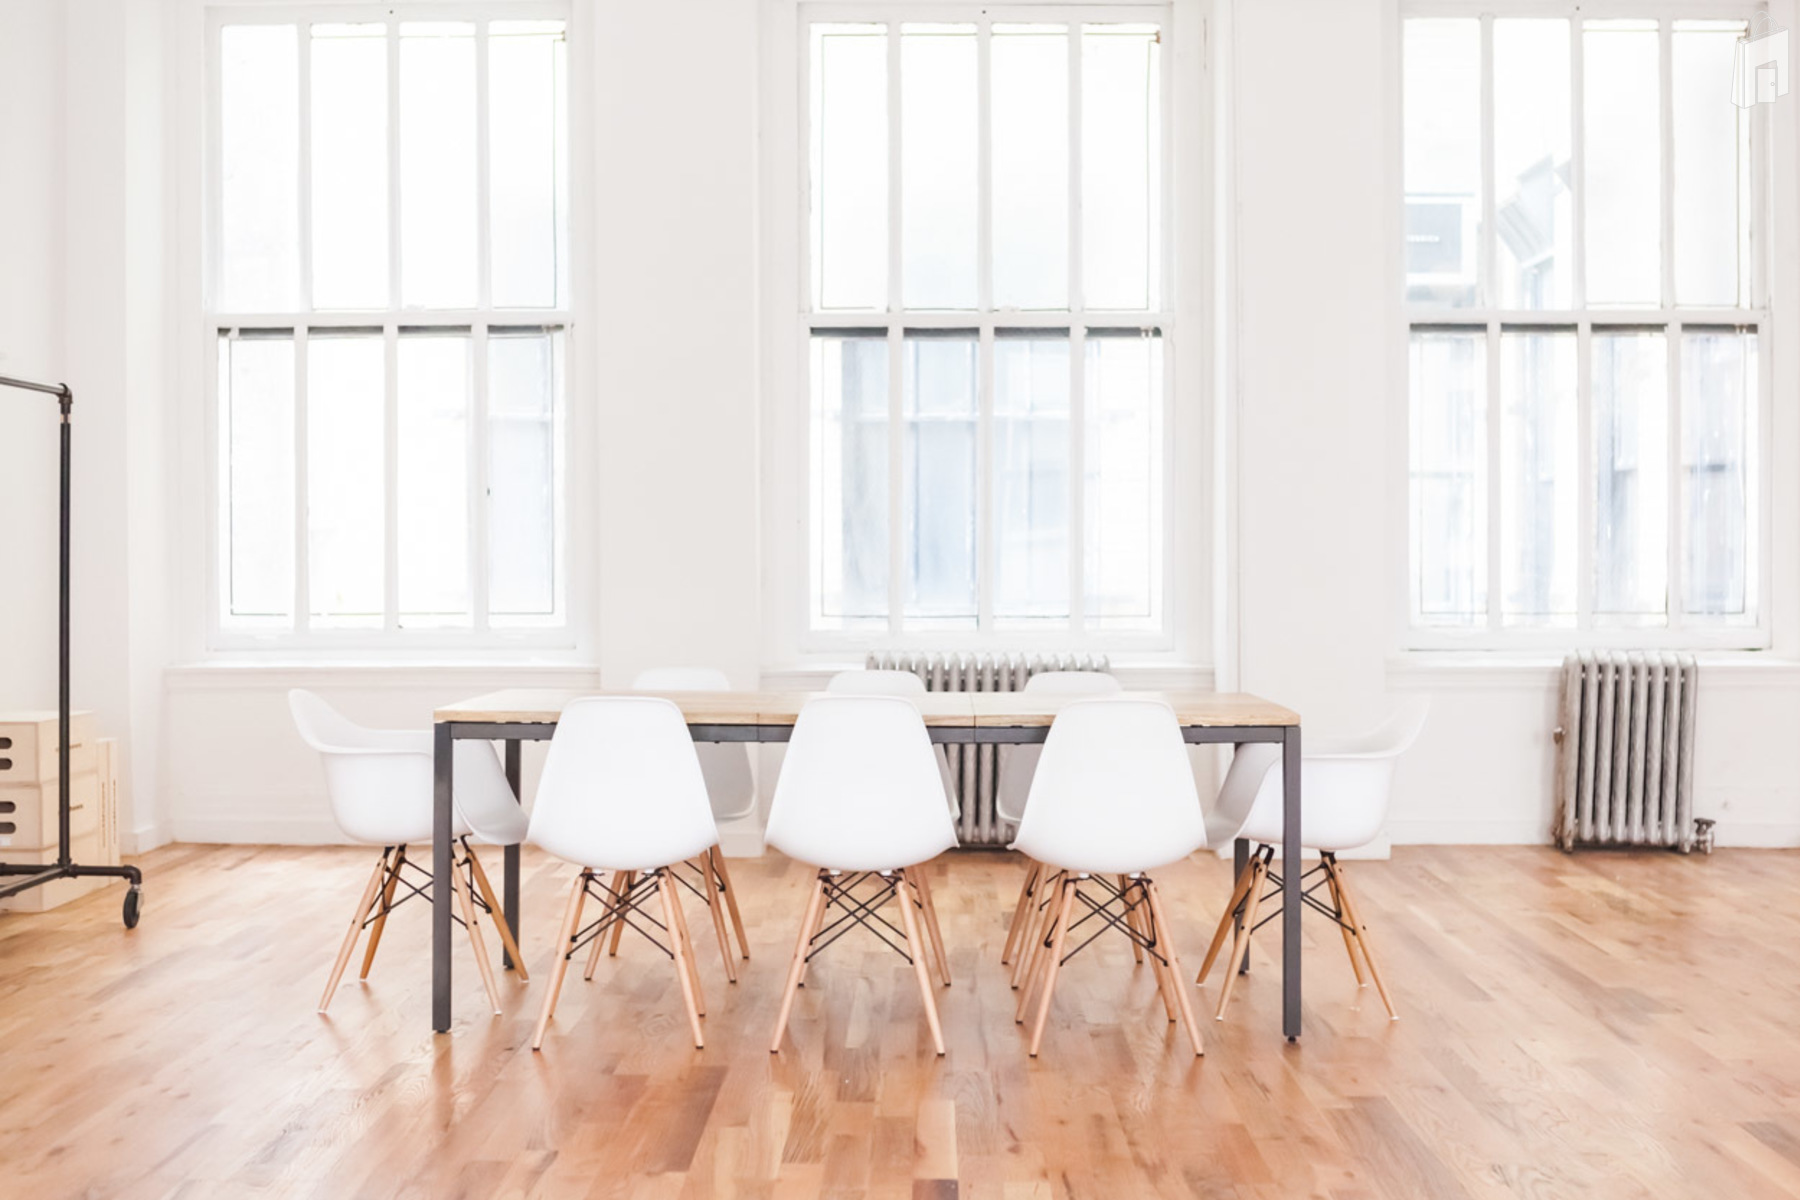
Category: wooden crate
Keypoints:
(86, 850)
(28, 745)
(93, 831)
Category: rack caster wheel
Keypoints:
(133, 906)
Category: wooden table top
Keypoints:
(992, 710)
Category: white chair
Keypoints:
(1017, 766)
(897, 683)
(732, 791)
(380, 785)
(1346, 787)
(622, 792)
(859, 799)
(1113, 796)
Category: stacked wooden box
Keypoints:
(29, 771)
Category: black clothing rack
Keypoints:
(33, 874)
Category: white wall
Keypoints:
(673, 415)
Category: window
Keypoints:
(388, 313)
(1586, 333)
(986, 326)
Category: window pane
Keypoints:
(1718, 393)
(938, 385)
(437, 164)
(1442, 84)
(1532, 200)
(524, 463)
(1448, 476)
(1121, 158)
(346, 379)
(259, 126)
(1537, 477)
(1031, 475)
(256, 408)
(527, 161)
(349, 166)
(1029, 74)
(1631, 474)
(1624, 162)
(849, 166)
(1711, 169)
(939, 129)
(850, 478)
(1122, 406)
(434, 479)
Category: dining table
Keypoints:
(514, 716)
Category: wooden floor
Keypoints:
(1598, 1026)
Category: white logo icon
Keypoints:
(1760, 66)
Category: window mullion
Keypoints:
(393, 163)
(1495, 490)
(984, 480)
(1666, 132)
(896, 347)
(477, 443)
(1490, 296)
(483, 191)
(391, 474)
(984, 167)
(303, 175)
(1586, 477)
(1077, 539)
(1678, 532)
(984, 304)
(1578, 166)
(302, 542)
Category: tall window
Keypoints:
(986, 328)
(1586, 381)
(388, 299)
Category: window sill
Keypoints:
(471, 674)
(1440, 669)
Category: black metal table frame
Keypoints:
(512, 733)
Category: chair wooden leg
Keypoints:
(731, 904)
(1167, 985)
(808, 923)
(1239, 889)
(813, 933)
(622, 890)
(1037, 922)
(1022, 909)
(684, 962)
(928, 911)
(1240, 942)
(387, 902)
(687, 939)
(1337, 902)
(350, 935)
(1165, 940)
(472, 923)
(1054, 965)
(1131, 919)
(1031, 967)
(607, 906)
(499, 914)
(916, 946)
(715, 907)
(571, 922)
(1362, 940)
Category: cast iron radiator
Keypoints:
(1625, 758)
(975, 770)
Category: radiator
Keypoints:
(1625, 759)
(975, 770)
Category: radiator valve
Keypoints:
(1703, 834)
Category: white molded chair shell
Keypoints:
(1344, 786)
(622, 788)
(726, 767)
(380, 780)
(897, 683)
(1019, 763)
(859, 789)
(1114, 792)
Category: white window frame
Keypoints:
(1183, 319)
(560, 635)
(1774, 351)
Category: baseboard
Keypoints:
(144, 838)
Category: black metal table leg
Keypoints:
(442, 781)
(1291, 902)
(509, 887)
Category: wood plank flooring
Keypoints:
(1597, 1026)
